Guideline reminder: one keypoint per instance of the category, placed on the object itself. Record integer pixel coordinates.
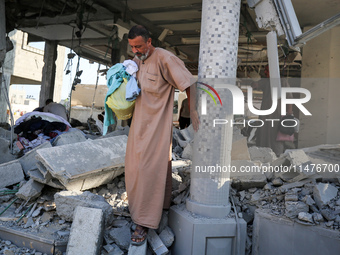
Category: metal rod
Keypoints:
(9, 206)
(22, 216)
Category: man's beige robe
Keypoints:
(148, 153)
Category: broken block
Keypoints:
(28, 161)
(294, 208)
(156, 243)
(262, 154)
(10, 173)
(239, 149)
(85, 165)
(167, 236)
(86, 232)
(121, 236)
(138, 250)
(254, 178)
(30, 190)
(323, 193)
(67, 201)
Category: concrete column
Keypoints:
(320, 75)
(209, 192)
(2, 32)
(202, 227)
(48, 72)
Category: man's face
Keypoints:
(140, 47)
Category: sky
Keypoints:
(88, 76)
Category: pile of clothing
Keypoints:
(36, 128)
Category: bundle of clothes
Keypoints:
(37, 128)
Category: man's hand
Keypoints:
(195, 121)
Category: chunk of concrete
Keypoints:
(119, 131)
(187, 152)
(297, 157)
(11, 173)
(74, 135)
(239, 150)
(113, 249)
(156, 243)
(306, 217)
(167, 236)
(262, 154)
(29, 161)
(67, 201)
(138, 250)
(241, 179)
(38, 177)
(85, 165)
(294, 208)
(5, 154)
(30, 190)
(324, 193)
(121, 236)
(86, 232)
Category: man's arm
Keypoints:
(192, 107)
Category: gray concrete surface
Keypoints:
(74, 135)
(5, 153)
(73, 163)
(262, 154)
(324, 193)
(281, 236)
(156, 243)
(138, 250)
(121, 236)
(196, 235)
(11, 173)
(28, 161)
(86, 232)
(30, 190)
(67, 201)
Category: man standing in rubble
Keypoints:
(148, 153)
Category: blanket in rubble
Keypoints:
(36, 130)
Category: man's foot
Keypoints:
(139, 236)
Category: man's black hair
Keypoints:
(139, 30)
(48, 101)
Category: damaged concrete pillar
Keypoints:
(48, 72)
(209, 190)
(2, 32)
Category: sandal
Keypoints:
(140, 233)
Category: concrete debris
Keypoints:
(138, 250)
(61, 161)
(323, 193)
(297, 157)
(294, 208)
(30, 190)
(112, 249)
(86, 231)
(67, 201)
(306, 217)
(5, 134)
(188, 151)
(74, 135)
(29, 161)
(277, 182)
(156, 243)
(118, 132)
(244, 180)
(121, 236)
(5, 153)
(167, 236)
(262, 154)
(10, 173)
(164, 222)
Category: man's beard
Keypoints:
(142, 57)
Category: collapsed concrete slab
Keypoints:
(28, 161)
(121, 236)
(67, 201)
(86, 232)
(74, 135)
(282, 236)
(11, 173)
(38, 177)
(85, 165)
(30, 190)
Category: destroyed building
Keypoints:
(62, 187)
